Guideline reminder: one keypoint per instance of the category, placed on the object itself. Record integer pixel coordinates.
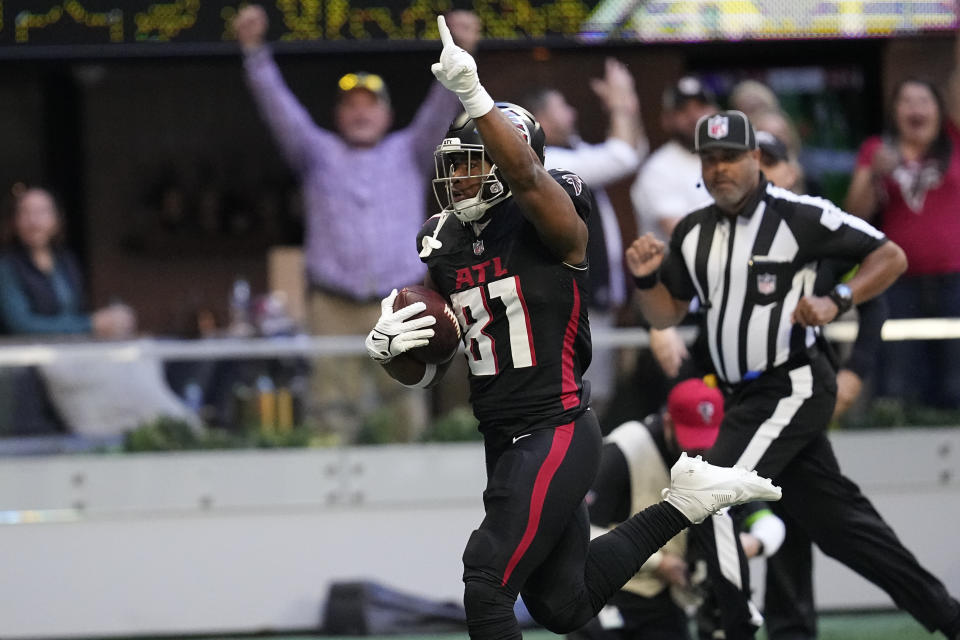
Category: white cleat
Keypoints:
(699, 489)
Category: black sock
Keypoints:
(953, 630)
(615, 556)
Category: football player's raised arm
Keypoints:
(543, 201)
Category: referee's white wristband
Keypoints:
(429, 373)
(771, 532)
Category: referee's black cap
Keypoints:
(726, 130)
(685, 89)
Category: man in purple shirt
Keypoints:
(379, 179)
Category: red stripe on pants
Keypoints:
(568, 384)
(562, 436)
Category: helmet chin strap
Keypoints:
(430, 243)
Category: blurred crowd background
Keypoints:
(182, 217)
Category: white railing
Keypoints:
(27, 354)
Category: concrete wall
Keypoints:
(249, 541)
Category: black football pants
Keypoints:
(535, 536)
(776, 424)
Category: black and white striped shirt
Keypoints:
(750, 271)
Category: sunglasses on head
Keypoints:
(369, 81)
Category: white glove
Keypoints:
(395, 333)
(457, 71)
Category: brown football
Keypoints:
(446, 332)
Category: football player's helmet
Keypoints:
(463, 147)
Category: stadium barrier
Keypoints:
(250, 541)
(27, 354)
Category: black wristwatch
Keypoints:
(842, 296)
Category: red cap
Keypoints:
(697, 410)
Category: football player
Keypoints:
(508, 251)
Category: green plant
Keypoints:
(457, 425)
(167, 434)
(890, 412)
(162, 434)
(380, 427)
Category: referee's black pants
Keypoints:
(776, 424)
(789, 611)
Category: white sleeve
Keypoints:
(598, 164)
(771, 531)
(655, 196)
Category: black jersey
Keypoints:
(523, 313)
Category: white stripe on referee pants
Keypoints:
(801, 388)
(728, 555)
(727, 542)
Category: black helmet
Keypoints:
(463, 144)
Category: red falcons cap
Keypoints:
(696, 410)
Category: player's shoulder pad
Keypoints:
(451, 234)
(576, 188)
(571, 182)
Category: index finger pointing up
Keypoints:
(445, 36)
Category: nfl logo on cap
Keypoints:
(725, 130)
(718, 126)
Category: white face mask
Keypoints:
(451, 154)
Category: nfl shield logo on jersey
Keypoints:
(718, 127)
(766, 283)
(478, 248)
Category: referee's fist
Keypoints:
(814, 311)
(645, 255)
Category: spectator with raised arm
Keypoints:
(668, 185)
(360, 184)
(599, 165)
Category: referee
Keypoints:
(751, 258)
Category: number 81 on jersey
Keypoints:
(483, 327)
